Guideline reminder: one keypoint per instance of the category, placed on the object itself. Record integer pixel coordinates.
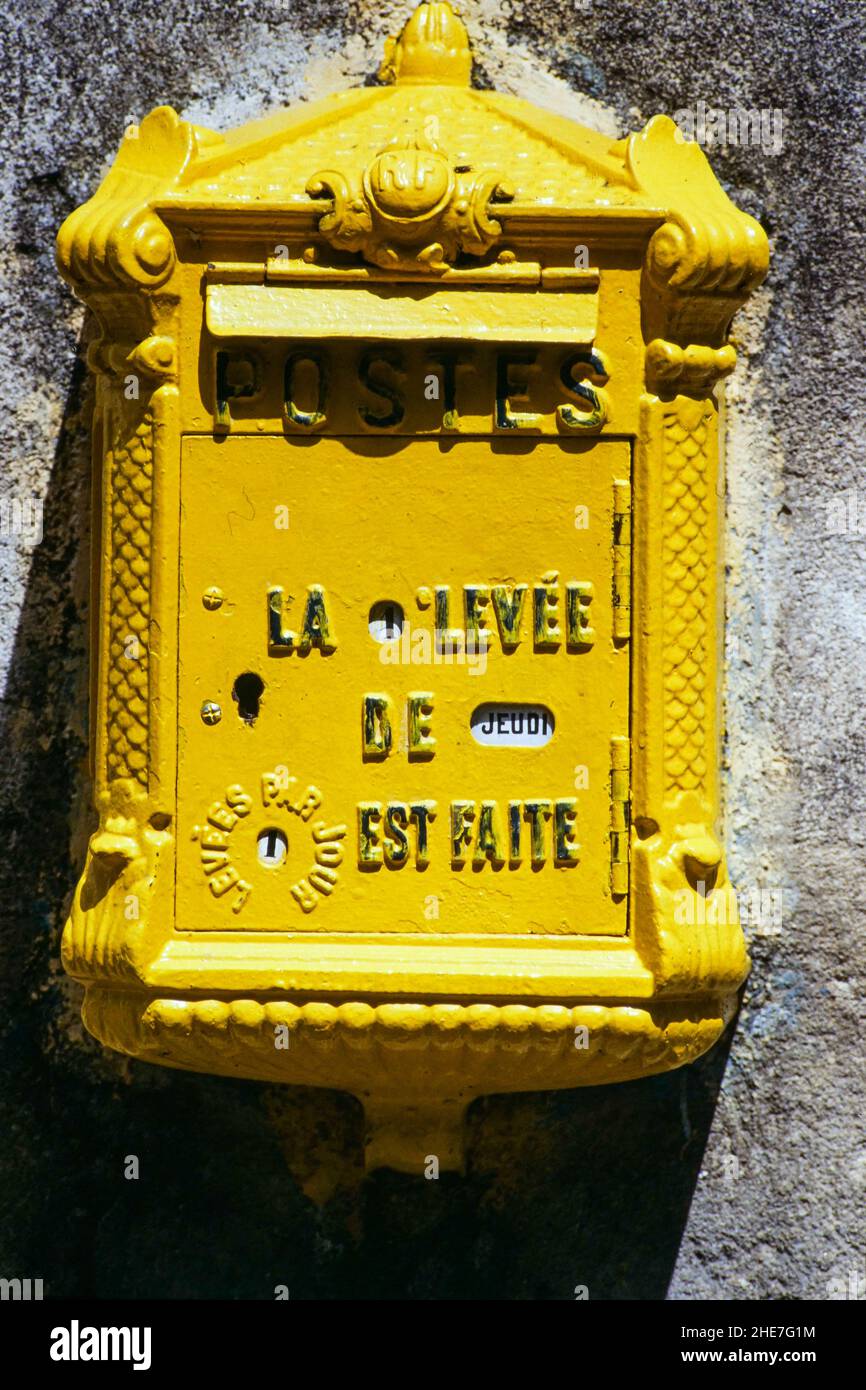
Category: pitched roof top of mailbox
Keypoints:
(459, 165)
(546, 159)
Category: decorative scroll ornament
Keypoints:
(116, 240)
(705, 259)
(411, 210)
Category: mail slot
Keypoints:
(406, 595)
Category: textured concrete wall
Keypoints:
(742, 1176)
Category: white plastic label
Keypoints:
(512, 726)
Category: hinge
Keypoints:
(621, 561)
(620, 815)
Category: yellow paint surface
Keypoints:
(372, 525)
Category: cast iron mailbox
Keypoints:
(405, 715)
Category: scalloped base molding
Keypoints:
(448, 1053)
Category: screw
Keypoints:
(212, 597)
(211, 712)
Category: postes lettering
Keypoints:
(379, 387)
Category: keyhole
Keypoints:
(272, 846)
(247, 692)
(386, 621)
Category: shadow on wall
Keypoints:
(243, 1187)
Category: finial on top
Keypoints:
(433, 46)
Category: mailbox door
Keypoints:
(399, 684)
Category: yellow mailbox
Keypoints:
(406, 597)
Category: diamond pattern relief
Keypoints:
(129, 606)
(686, 596)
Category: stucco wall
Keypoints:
(741, 1176)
